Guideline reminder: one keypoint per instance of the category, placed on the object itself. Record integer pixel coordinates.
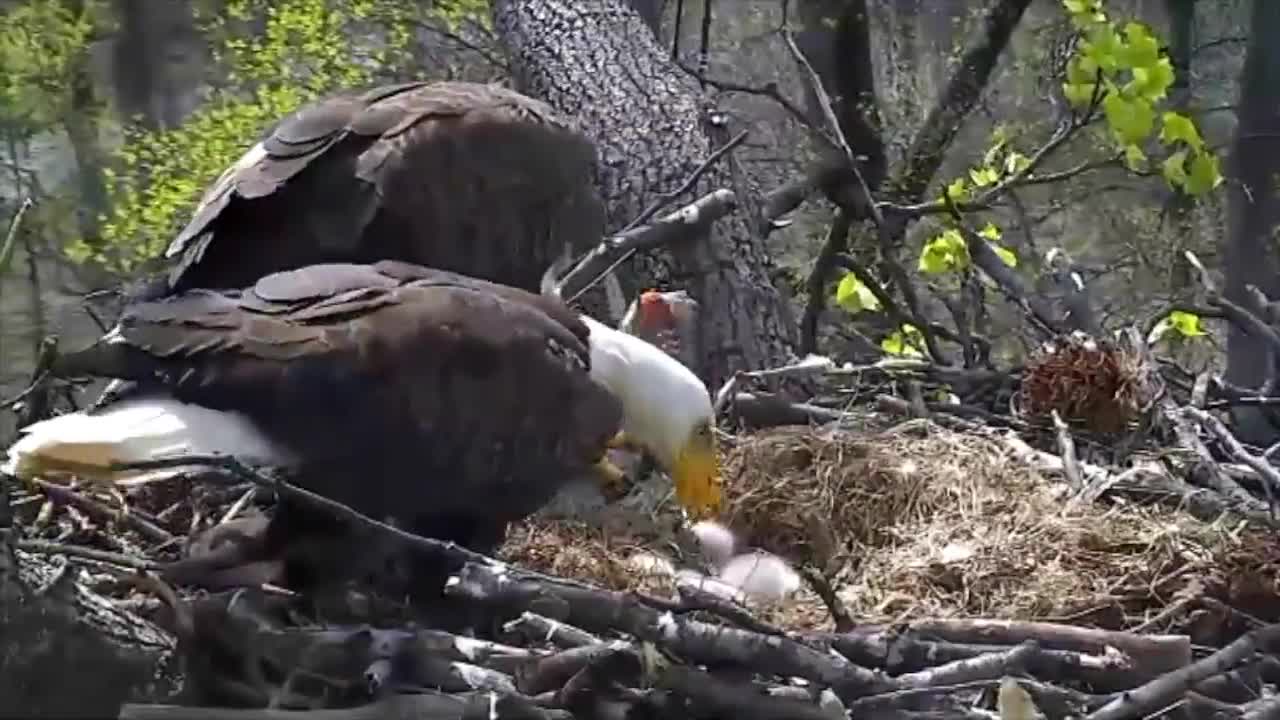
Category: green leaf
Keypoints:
(1142, 50)
(1081, 81)
(904, 342)
(304, 49)
(1078, 94)
(958, 190)
(985, 176)
(1104, 47)
(1016, 162)
(1008, 256)
(999, 138)
(1084, 12)
(1131, 120)
(1174, 169)
(1134, 158)
(944, 253)
(1203, 175)
(1185, 324)
(1152, 83)
(854, 296)
(990, 232)
(1176, 127)
(1081, 70)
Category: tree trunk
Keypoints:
(1254, 207)
(66, 652)
(596, 60)
(156, 61)
(651, 12)
(1180, 206)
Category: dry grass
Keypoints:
(941, 524)
(608, 557)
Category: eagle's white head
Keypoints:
(666, 410)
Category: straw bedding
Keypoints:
(911, 524)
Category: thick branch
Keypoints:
(945, 119)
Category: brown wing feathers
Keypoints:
(404, 389)
(452, 403)
(465, 177)
(212, 346)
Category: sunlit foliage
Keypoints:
(301, 50)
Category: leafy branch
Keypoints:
(1116, 75)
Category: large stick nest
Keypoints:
(912, 524)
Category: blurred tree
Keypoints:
(272, 56)
(1254, 206)
(45, 86)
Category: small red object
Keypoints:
(655, 312)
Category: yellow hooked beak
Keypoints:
(697, 474)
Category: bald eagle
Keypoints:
(476, 179)
(451, 404)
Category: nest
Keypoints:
(573, 549)
(1097, 385)
(951, 525)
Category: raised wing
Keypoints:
(466, 177)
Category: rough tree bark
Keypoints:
(154, 55)
(596, 60)
(1179, 207)
(651, 12)
(1254, 208)
(67, 653)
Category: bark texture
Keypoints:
(597, 61)
(66, 652)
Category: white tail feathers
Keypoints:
(135, 430)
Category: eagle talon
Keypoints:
(612, 479)
(622, 441)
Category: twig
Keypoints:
(669, 197)
(1024, 177)
(1067, 451)
(11, 236)
(349, 516)
(488, 55)
(424, 705)
(816, 284)
(143, 526)
(47, 547)
(833, 124)
(1160, 652)
(697, 641)
(1167, 688)
(811, 365)
(237, 506)
(681, 224)
(1267, 474)
(870, 207)
(769, 90)
(820, 585)
(635, 236)
(538, 628)
(1009, 282)
(1262, 709)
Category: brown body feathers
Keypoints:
(451, 404)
